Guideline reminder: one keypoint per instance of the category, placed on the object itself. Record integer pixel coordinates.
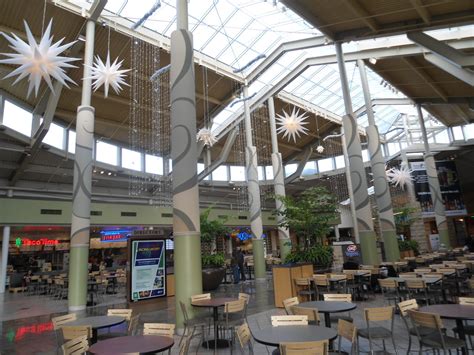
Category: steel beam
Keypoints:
(442, 50)
(306, 156)
(422, 11)
(360, 11)
(382, 102)
(222, 157)
(462, 74)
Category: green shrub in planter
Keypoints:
(213, 260)
(405, 245)
(318, 254)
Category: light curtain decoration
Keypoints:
(292, 125)
(108, 74)
(206, 137)
(400, 177)
(38, 60)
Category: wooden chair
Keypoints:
(437, 339)
(375, 332)
(422, 271)
(306, 348)
(322, 285)
(124, 313)
(74, 331)
(339, 297)
(348, 331)
(278, 321)
(121, 312)
(193, 324)
(405, 307)
(311, 313)
(246, 298)
(417, 289)
(390, 290)
(303, 288)
(468, 328)
(200, 297)
(163, 329)
(76, 346)
(58, 322)
(245, 337)
(289, 303)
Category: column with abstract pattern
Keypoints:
(254, 196)
(186, 231)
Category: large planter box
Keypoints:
(283, 275)
(212, 277)
(407, 254)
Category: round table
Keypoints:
(457, 312)
(96, 323)
(138, 344)
(273, 336)
(214, 303)
(328, 307)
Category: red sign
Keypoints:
(113, 238)
(42, 241)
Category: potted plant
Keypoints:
(213, 270)
(408, 248)
(310, 216)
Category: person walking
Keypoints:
(235, 267)
(240, 261)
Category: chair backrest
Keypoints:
(244, 335)
(76, 346)
(306, 348)
(406, 306)
(75, 331)
(184, 347)
(422, 270)
(388, 283)
(133, 325)
(289, 303)
(347, 330)
(408, 275)
(120, 312)
(311, 313)
(200, 297)
(302, 281)
(378, 314)
(59, 321)
(234, 306)
(415, 284)
(245, 297)
(164, 329)
(341, 297)
(289, 320)
(184, 310)
(427, 320)
(466, 300)
(320, 280)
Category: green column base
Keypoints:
(444, 238)
(390, 245)
(78, 275)
(259, 259)
(285, 248)
(187, 272)
(369, 248)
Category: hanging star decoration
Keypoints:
(38, 60)
(320, 149)
(399, 177)
(206, 137)
(292, 125)
(109, 75)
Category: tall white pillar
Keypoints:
(4, 260)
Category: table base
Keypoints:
(221, 344)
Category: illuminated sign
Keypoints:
(30, 242)
(114, 236)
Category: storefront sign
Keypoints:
(449, 185)
(148, 269)
(114, 236)
(19, 242)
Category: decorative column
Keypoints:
(254, 195)
(358, 175)
(438, 204)
(186, 228)
(82, 185)
(278, 182)
(4, 260)
(377, 162)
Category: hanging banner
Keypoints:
(147, 269)
(449, 184)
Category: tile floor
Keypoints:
(26, 327)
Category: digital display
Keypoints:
(148, 269)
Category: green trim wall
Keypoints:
(15, 211)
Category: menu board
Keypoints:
(449, 185)
(147, 269)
